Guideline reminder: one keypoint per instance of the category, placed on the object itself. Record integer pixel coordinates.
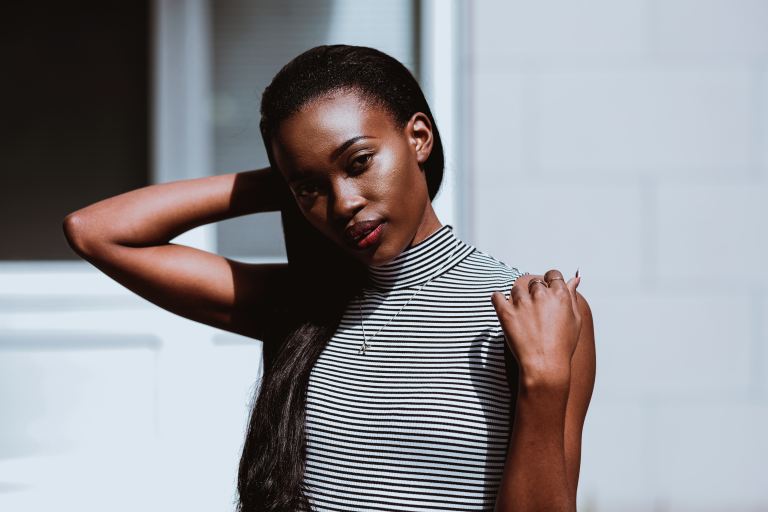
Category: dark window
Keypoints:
(75, 106)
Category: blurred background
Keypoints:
(627, 138)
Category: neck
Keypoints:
(429, 224)
(422, 261)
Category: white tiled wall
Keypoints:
(630, 139)
(106, 398)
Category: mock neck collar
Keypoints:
(433, 256)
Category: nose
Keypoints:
(346, 198)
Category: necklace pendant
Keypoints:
(363, 347)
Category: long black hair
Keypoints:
(323, 276)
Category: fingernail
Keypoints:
(577, 271)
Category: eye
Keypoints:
(306, 190)
(361, 162)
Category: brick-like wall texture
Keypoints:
(630, 139)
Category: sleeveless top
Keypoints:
(421, 420)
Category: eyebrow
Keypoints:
(334, 156)
(338, 151)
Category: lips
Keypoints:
(359, 229)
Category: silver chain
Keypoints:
(364, 346)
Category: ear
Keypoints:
(419, 133)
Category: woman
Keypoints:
(403, 370)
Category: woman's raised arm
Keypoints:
(127, 237)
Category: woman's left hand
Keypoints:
(541, 323)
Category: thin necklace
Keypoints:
(365, 343)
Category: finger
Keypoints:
(500, 303)
(519, 290)
(572, 284)
(536, 287)
(555, 279)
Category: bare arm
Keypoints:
(127, 237)
(544, 454)
(535, 476)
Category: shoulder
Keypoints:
(501, 274)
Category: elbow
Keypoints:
(74, 233)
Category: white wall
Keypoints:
(630, 139)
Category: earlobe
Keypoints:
(422, 155)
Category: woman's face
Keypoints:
(349, 168)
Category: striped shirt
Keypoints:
(421, 420)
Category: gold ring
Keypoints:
(537, 281)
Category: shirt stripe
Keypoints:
(421, 420)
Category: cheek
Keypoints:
(317, 219)
(404, 180)
(314, 212)
(411, 186)
(308, 209)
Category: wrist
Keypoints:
(550, 376)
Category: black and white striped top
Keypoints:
(421, 420)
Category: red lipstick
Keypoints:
(371, 238)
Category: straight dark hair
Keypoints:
(323, 277)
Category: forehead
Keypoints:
(310, 136)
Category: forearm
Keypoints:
(155, 214)
(535, 477)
